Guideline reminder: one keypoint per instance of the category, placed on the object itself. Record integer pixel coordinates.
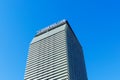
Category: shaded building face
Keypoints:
(55, 54)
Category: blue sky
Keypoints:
(96, 24)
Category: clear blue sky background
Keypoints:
(96, 24)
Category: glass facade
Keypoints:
(55, 55)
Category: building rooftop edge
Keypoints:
(50, 27)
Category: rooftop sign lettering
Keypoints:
(50, 27)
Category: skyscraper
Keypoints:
(55, 54)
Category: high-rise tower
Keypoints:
(55, 54)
